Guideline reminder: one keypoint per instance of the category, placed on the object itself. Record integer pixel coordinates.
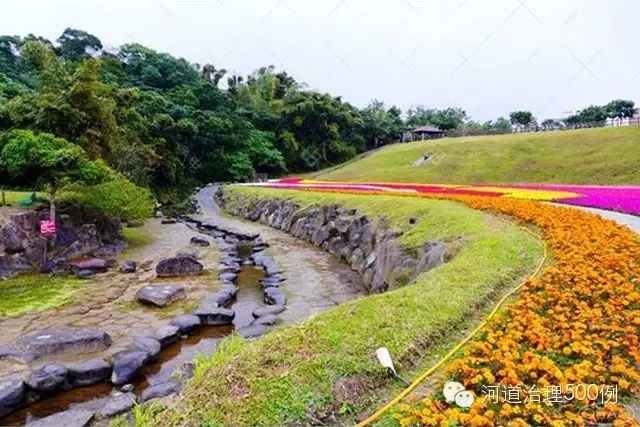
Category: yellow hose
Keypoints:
(431, 370)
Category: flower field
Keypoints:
(575, 327)
(621, 199)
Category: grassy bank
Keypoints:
(325, 365)
(589, 156)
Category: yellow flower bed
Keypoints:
(579, 323)
(528, 194)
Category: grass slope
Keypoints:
(29, 293)
(588, 156)
(326, 364)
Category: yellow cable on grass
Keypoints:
(431, 370)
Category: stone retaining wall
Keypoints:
(371, 249)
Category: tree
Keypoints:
(76, 45)
(521, 118)
(447, 119)
(52, 161)
(620, 109)
(502, 125)
(594, 114)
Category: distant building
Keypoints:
(426, 132)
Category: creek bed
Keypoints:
(203, 341)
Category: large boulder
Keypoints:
(49, 378)
(68, 418)
(126, 364)
(89, 372)
(160, 295)
(183, 265)
(11, 238)
(48, 342)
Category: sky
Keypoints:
(488, 57)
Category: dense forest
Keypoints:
(163, 123)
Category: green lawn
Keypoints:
(28, 293)
(12, 197)
(588, 156)
(326, 364)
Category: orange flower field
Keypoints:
(576, 327)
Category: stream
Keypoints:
(314, 282)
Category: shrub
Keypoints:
(117, 198)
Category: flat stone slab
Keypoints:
(183, 265)
(159, 390)
(160, 295)
(70, 418)
(94, 264)
(48, 342)
(117, 404)
(252, 331)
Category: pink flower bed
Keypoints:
(621, 199)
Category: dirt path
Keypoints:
(315, 281)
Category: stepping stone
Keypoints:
(186, 323)
(269, 310)
(179, 266)
(128, 267)
(96, 265)
(151, 345)
(167, 335)
(274, 296)
(50, 342)
(160, 295)
(200, 241)
(89, 372)
(168, 221)
(227, 277)
(84, 274)
(159, 390)
(117, 404)
(214, 316)
(269, 319)
(11, 395)
(48, 378)
(69, 418)
(252, 331)
(126, 364)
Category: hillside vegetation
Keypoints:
(589, 156)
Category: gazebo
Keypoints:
(427, 132)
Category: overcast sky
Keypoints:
(486, 56)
